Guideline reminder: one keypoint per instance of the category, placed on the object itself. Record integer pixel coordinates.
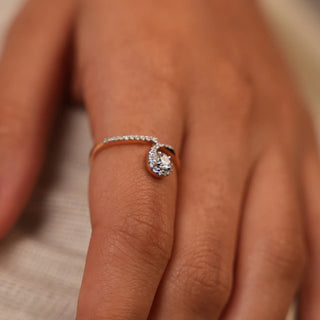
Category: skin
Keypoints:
(235, 234)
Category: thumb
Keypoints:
(31, 74)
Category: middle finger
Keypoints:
(198, 279)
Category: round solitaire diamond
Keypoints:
(160, 163)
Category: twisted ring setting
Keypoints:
(161, 158)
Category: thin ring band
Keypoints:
(159, 160)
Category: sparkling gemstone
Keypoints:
(160, 163)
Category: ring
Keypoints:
(160, 160)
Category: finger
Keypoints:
(32, 69)
(271, 253)
(132, 213)
(198, 280)
(309, 308)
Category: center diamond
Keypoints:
(160, 163)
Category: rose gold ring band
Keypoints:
(160, 161)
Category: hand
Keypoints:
(234, 235)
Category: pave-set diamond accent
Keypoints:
(159, 162)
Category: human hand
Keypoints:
(225, 239)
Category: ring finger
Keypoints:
(132, 213)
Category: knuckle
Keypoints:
(238, 96)
(144, 229)
(204, 280)
(286, 255)
(146, 237)
(233, 102)
(157, 66)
